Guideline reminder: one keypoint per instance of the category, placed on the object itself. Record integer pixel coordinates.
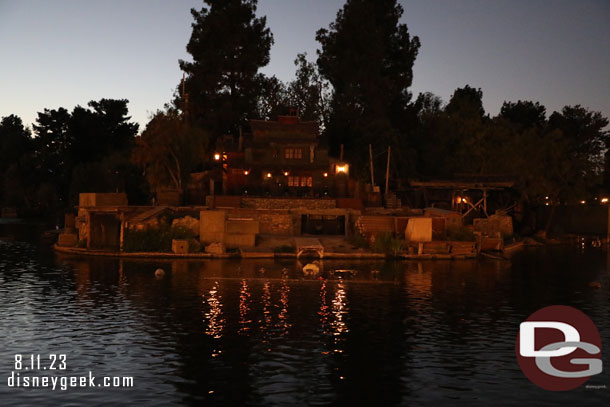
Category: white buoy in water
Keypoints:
(311, 269)
(159, 273)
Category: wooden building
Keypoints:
(280, 158)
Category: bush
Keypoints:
(154, 239)
(460, 233)
(388, 244)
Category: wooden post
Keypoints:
(371, 164)
(387, 172)
(341, 154)
(122, 231)
(89, 231)
(608, 229)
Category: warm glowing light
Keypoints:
(217, 156)
(546, 197)
(286, 173)
(341, 169)
(246, 172)
(604, 200)
(464, 200)
(583, 202)
(325, 174)
(458, 199)
(547, 204)
(268, 175)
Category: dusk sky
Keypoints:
(63, 53)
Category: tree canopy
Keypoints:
(169, 149)
(228, 45)
(367, 56)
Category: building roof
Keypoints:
(286, 128)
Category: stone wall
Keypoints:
(288, 203)
(493, 225)
(272, 222)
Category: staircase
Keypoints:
(143, 216)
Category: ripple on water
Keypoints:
(219, 332)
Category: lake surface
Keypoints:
(260, 333)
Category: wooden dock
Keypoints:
(308, 245)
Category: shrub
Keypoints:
(154, 239)
(358, 241)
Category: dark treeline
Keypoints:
(43, 170)
(357, 89)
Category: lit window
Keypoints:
(295, 181)
(293, 153)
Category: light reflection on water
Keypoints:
(225, 332)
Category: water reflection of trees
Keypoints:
(270, 322)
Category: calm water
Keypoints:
(227, 332)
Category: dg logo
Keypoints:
(559, 348)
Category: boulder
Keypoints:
(215, 248)
(180, 246)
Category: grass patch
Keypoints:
(388, 244)
(359, 241)
(155, 239)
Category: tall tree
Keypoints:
(368, 57)
(524, 113)
(228, 45)
(588, 140)
(466, 102)
(100, 130)
(15, 160)
(15, 140)
(52, 144)
(272, 99)
(84, 151)
(308, 92)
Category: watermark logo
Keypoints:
(559, 348)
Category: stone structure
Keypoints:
(493, 225)
(216, 227)
(180, 246)
(100, 219)
(419, 230)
